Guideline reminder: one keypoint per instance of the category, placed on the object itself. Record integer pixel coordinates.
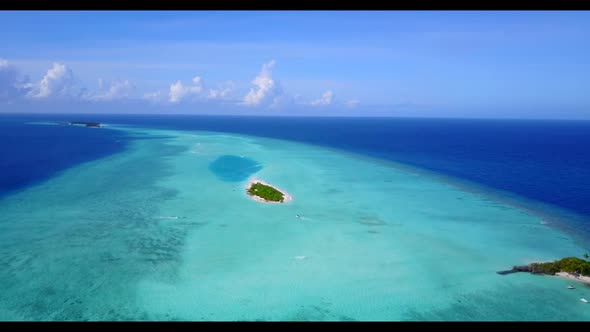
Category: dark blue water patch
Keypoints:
(30, 154)
(234, 168)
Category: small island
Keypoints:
(264, 192)
(82, 123)
(570, 267)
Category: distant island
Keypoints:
(264, 192)
(82, 123)
(570, 267)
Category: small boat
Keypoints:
(584, 300)
(570, 287)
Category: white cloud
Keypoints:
(265, 88)
(114, 90)
(326, 99)
(178, 91)
(153, 96)
(58, 82)
(222, 92)
(352, 103)
(11, 86)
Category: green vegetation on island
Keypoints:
(81, 123)
(568, 264)
(266, 192)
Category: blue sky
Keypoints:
(388, 63)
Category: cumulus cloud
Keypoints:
(222, 92)
(59, 81)
(265, 88)
(153, 96)
(11, 85)
(352, 103)
(326, 99)
(178, 91)
(114, 89)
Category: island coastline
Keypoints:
(571, 268)
(574, 277)
(286, 195)
(82, 123)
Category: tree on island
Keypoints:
(568, 264)
(266, 192)
(586, 256)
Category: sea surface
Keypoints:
(391, 218)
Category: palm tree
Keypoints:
(586, 256)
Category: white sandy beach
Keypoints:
(287, 196)
(572, 276)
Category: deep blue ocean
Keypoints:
(542, 160)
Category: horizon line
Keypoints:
(301, 116)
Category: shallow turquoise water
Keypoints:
(156, 233)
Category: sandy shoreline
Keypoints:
(571, 276)
(287, 196)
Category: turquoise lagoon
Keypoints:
(165, 231)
